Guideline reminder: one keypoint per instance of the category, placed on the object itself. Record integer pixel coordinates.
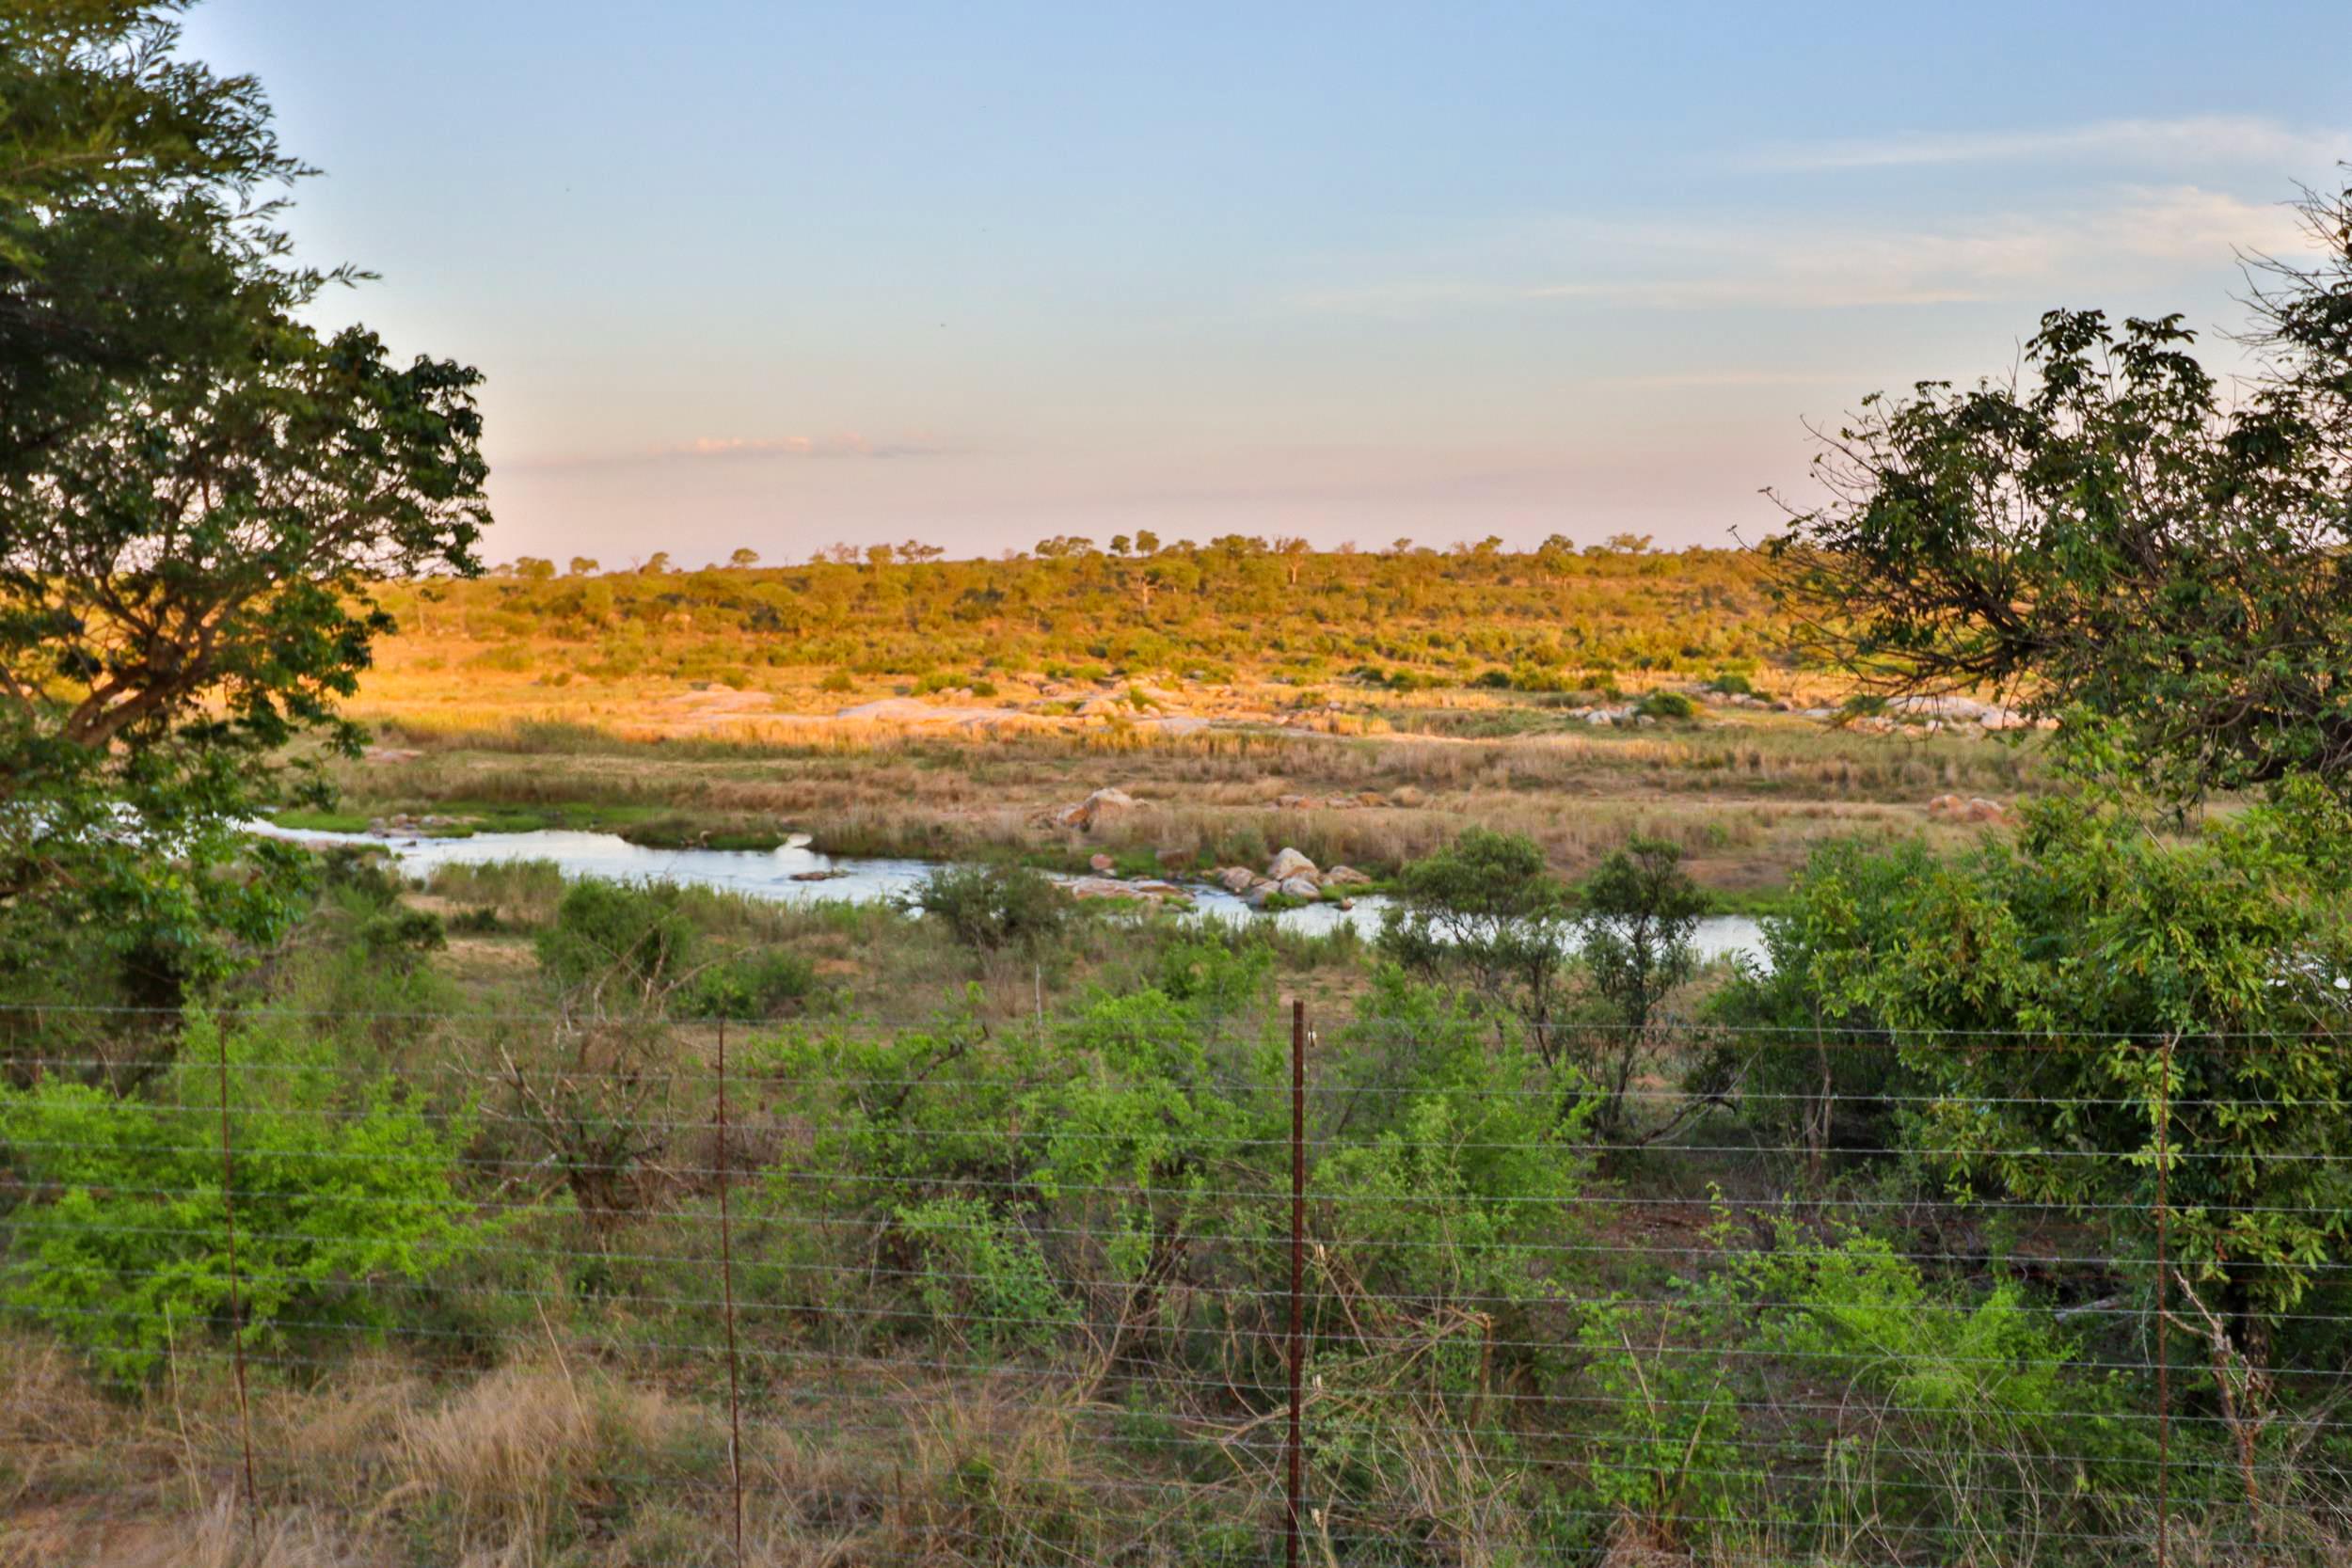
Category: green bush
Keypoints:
(1668, 704)
(1487, 910)
(993, 906)
(981, 1273)
(747, 986)
(339, 1186)
(618, 934)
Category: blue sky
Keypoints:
(774, 274)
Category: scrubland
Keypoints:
(1007, 1280)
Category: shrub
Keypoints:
(983, 1273)
(337, 1187)
(747, 986)
(1805, 1043)
(1668, 704)
(993, 906)
(1485, 908)
(1634, 938)
(618, 934)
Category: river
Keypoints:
(795, 874)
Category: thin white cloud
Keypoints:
(743, 449)
(1813, 266)
(2191, 141)
(1742, 378)
(848, 445)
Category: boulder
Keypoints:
(1301, 886)
(1238, 879)
(1288, 862)
(1097, 808)
(1102, 863)
(1258, 895)
(1974, 808)
(1343, 876)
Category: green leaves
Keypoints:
(2112, 536)
(200, 495)
(2030, 988)
(123, 1245)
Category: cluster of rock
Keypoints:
(1627, 713)
(1291, 874)
(1973, 808)
(1962, 716)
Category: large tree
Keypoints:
(2117, 532)
(197, 491)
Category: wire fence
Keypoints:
(1196, 1285)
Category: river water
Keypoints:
(795, 874)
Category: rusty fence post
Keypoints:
(726, 1288)
(2164, 1370)
(236, 1306)
(1298, 1277)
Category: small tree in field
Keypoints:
(1488, 909)
(1640, 909)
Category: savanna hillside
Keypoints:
(1237, 610)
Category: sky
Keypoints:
(765, 274)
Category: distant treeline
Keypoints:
(1238, 606)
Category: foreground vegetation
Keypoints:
(1599, 1266)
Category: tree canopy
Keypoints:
(2117, 531)
(199, 491)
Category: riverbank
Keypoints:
(1745, 794)
(799, 873)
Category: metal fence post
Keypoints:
(726, 1287)
(1299, 1272)
(236, 1306)
(2164, 1238)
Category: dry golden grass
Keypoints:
(1745, 800)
